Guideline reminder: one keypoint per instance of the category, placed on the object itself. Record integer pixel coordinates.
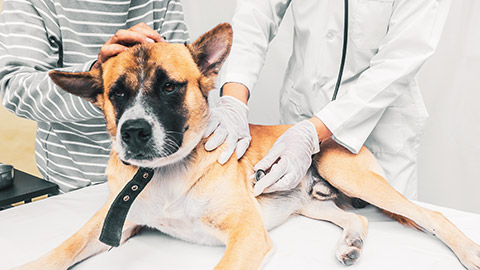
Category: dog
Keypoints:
(154, 98)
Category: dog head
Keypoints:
(154, 97)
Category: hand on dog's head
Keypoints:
(154, 95)
(209, 53)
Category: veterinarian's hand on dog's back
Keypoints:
(293, 150)
(124, 38)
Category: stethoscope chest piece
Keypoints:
(259, 174)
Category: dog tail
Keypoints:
(403, 220)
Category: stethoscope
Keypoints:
(261, 173)
(344, 50)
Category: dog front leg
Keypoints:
(247, 242)
(80, 246)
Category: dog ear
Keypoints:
(87, 85)
(211, 49)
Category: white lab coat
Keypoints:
(379, 103)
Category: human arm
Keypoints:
(255, 24)
(32, 46)
(413, 34)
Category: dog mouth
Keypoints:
(149, 154)
(165, 157)
(144, 141)
(136, 158)
(140, 156)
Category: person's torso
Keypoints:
(313, 69)
(76, 154)
(317, 50)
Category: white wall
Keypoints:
(264, 100)
(449, 165)
(449, 160)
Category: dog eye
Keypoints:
(169, 87)
(119, 94)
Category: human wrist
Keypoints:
(236, 90)
(233, 102)
(309, 129)
(323, 132)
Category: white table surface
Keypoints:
(28, 231)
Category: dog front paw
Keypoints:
(41, 264)
(27, 266)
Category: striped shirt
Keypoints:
(72, 145)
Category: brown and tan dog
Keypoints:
(154, 98)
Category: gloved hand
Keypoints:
(295, 148)
(228, 122)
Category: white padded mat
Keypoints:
(28, 231)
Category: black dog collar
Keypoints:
(115, 219)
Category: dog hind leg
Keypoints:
(354, 227)
(374, 189)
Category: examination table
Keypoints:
(28, 231)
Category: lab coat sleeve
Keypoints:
(255, 24)
(414, 31)
(29, 49)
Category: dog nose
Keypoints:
(136, 132)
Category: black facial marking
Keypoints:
(165, 85)
(141, 54)
(162, 98)
(120, 95)
(166, 98)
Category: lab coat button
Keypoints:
(331, 34)
(319, 83)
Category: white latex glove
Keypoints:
(228, 122)
(294, 149)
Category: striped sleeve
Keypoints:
(30, 46)
(173, 28)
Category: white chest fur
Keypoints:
(164, 205)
